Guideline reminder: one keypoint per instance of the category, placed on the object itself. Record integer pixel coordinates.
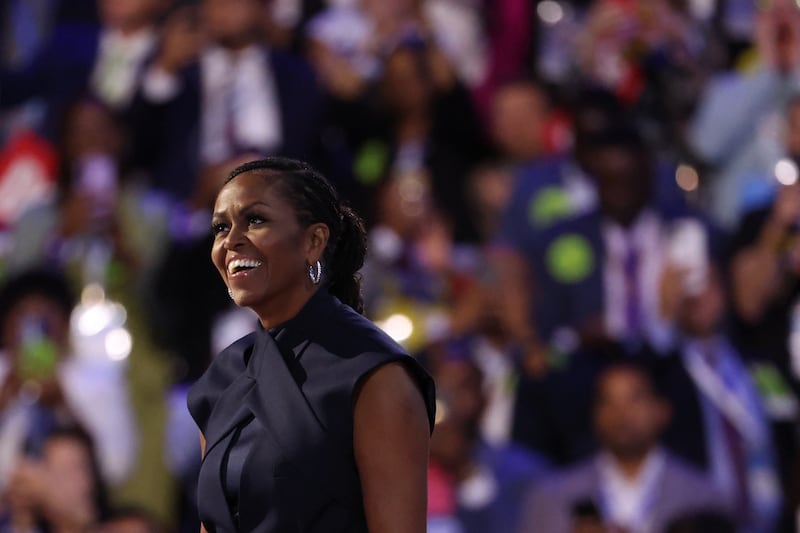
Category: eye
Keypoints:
(218, 228)
(255, 219)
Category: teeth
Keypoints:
(237, 264)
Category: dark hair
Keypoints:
(644, 369)
(49, 284)
(315, 200)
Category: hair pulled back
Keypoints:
(315, 200)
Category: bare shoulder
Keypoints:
(390, 390)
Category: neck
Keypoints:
(413, 127)
(133, 28)
(630, 465)
(284, 307)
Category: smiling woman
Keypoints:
(318, 421)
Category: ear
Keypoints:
(317, 236)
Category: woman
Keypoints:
(60, 492)
(318, 421)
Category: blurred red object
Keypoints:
(441, 491)
(28, 169)
(558, 136)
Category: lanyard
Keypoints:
(724, 397)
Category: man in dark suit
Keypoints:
(631, 484)
(80, 56)
(215, 92)
(726, 423)
(590, 273)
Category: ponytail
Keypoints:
(347, 259)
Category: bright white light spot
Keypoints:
(118, 344)
(93, 319)
(398, 327)
(550, 12)
(786, 172)
(687, 178)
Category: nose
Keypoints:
(234, 238)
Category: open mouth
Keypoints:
(241, 266)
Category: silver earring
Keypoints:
(230, 293)
(315, 274)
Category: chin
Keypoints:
(245, 299)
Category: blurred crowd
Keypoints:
(584, 219)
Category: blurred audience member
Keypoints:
(632, 484)
(105, 60)
(427, 134)
(596, 276)
(649, 53)
(488, 481)
(488, 346)
(510, 36)
(415, 271)
(215, 92)
(765, 275)
(737, 127)
(518, 115)
(354, 37)
(85, 216)
(721, 423)
(489, 192)
(45, 384)
(62, 491)
(457, 28)
(128, 38)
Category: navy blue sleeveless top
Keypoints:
(277, 415)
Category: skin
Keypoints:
(628, 417)
(252, 219)
(759, 278)
(59, 487)
(519, 112)
(459, 385)
(130, 16)
(57, 326)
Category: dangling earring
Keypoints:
(230, 293)
(315, 274)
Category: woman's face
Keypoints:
(260, 249)
(69, 467)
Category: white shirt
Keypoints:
(649, 236)
(499, 385)
(237, 86)
(628, 502)
(118, 65)
(240, 86)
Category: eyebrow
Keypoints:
(219, 214)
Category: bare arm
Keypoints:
(756, 274)
(756, 270)
(516, 295)
(391, 439)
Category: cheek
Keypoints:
(218, 258)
